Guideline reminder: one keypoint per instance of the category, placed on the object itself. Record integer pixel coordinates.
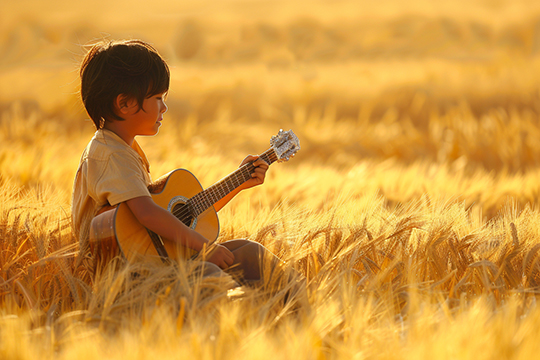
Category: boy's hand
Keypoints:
(257, 178)
(221, 256)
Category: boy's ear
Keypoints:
(123, 103)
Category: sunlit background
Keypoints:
(412, 207)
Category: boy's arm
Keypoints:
(165, 224)
(257, 178)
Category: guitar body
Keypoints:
(117, 231)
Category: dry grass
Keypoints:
(411, 210)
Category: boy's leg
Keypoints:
(248, 256)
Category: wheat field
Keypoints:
(411, 212)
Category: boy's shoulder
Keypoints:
(105, 143)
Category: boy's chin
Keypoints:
(150, 133)
(155, 130)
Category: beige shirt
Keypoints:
(110, 172)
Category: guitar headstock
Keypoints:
(285, 144)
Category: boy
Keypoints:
(123, 85)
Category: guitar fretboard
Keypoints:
(208, 197)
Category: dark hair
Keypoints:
(111, 68)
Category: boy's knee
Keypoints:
(234, 245)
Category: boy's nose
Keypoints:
(164, 109)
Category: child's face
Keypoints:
(148, 121)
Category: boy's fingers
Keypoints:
(260, 163)
(228, 256)
(225, 263)
(256, 160)
(249, 158)
(259, 172)
(257, 176)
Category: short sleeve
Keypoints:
(123, 178)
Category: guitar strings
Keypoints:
(206, 196)
(201, 199)
(209, 195)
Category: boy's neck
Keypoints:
(117, 128)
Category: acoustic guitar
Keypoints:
(115, 230)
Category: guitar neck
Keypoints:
(208, 197)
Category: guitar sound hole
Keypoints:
(181, 211)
